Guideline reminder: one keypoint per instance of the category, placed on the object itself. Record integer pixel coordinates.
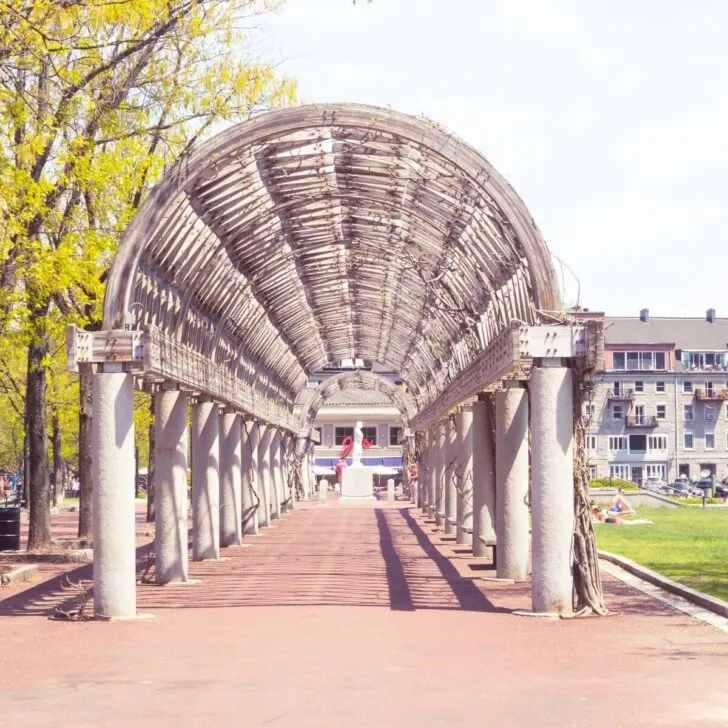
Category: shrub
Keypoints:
(613, 483)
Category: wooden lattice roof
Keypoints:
(326, 232)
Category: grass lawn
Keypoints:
(689, 545)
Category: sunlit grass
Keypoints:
(689, 545)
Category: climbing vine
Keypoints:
(587, 596)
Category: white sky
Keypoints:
(609, 118)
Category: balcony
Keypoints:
(641, 421)
(711, 394)
(624, 395)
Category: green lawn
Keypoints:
(689, 545)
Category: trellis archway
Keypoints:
(299, 238)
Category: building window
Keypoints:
(660, 387)
(620, 471)
(592, 472)
(687, 386)
(705, 360)
(661, 411)
(688, 440)
(639, 386)
(655, 471)
(394, 435)
(617, 443)
(320, 435)
(688, 412)
(657, 443)
(617, 412)
(710, 440)
(341, 433)
(710, 412)
(370, 433)
(638, 444)
(591, 442)
(638, 360)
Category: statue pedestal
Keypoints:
(357, 485)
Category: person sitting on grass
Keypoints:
(599, 515)
(620, 505)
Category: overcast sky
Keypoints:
(609, 118)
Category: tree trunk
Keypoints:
(39, 533)
(85, 410)
(136, 471)
(25, 497)
(150, 469)
(57, 461)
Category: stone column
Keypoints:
(449, 477)
(170, 486)
(422, 472)
(249, 479)
(440, 468)
(289, 501)
(231, 505)
(463, 534)
(483, 481)
(390, 490)
(512, 523)
(432, 456)
(205, 480)
(275, 475)
(323, 491)
(552, 499)
(112, 472)
(264, 475)
(307, 469)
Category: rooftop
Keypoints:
(689, 333)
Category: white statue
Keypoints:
(358, 446)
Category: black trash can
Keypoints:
(9, 529)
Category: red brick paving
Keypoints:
(357, 616)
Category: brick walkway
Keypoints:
(357, 616)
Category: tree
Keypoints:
(96, 99)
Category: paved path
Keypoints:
(357, 616)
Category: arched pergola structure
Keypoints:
(311, 399)
(302, 237)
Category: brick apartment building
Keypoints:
(659, 408)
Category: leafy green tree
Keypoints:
(97, 98)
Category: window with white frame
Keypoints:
(710, 440)
(394, 435)
(341, 433)
(589, 410)
(618, 442)
(710, 412)
(370, 433)
(617, 412)
(688, 440)
(656, 471)
(657, 443)
(639, 386)
(639, 360)
(687, 386)
(687, 412)
(592, 472)
(660, 387)
(591, 442)
(623, 472)
(661, 411)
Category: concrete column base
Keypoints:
(205, 481)
(552, 503)
(170, 487)
(112, 472)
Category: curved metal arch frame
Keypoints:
(310, 401)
